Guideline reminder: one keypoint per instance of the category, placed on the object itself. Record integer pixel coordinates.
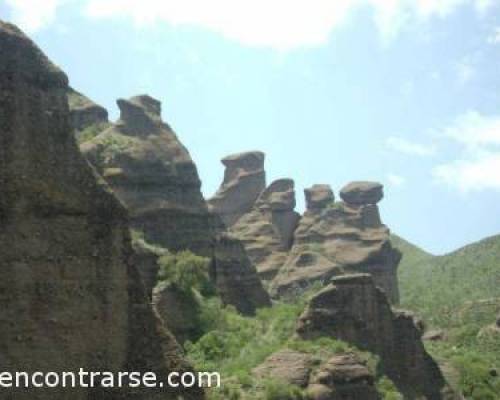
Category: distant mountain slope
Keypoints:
(436, 286)
(458, 293)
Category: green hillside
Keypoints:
(458, 293)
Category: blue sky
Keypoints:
(406, 92)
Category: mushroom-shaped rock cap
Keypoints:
(361, 193)
(249, 160)
(318, 197)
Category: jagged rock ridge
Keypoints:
(351, 308)
(337, 238)
(70, 298)
(153, 174)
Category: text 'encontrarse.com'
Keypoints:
(88, 379)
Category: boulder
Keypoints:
(343, 377)
(318, 197)
(267, 230)
(337, 239)
(70, 296)
(292, 367)
(362, 193)
(353, 309)
(244, 180)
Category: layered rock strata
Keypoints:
(69, 296)
(342, 377)
(153, 174)
(244, 180)
(337, 238)
(353, 309)
(267, 230)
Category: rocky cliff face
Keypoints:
(353, 309)
(244, 180)
(152, 173)
(267, 230)
(235, 276)
(69, 296)
(84, 113)
(337, 238)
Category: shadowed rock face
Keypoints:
(69, 296)
(353, 309)
(244, 180)
(235, 276)
(152, 173)
(267, 230)
(84, 113)
(338, 238)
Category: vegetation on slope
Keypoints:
(458, 293)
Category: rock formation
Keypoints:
(179, 311)
(152, 173)
(244, 180)
(267, 230)
(84, 113)
(235, 276)
(338, 238)
(351, 308)
(69, 296)
(342, 377)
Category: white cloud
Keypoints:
(32, 15)
(471, 175)
(478, 167)
(408, 147)
(280, 24)
(395, 180)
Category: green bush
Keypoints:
(185, 270)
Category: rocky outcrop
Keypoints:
(267, 230)
(351, 308)
(342, 377)
(235, 276)
(318, 197)
(69, 296)
(179, 310)
(338, 238)
(152, 173)
(289, 366)
(84, 113)
(244, 180)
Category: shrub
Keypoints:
(185, 270)
(277, 390)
